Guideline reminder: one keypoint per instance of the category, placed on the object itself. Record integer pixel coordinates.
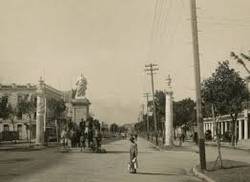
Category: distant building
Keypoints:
(14, 94)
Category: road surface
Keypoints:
(51, 165)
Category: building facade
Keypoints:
(14, 94)
(28, 127)
(225, 122)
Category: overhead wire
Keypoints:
(153, 29)
(157, 25)
(166, 18)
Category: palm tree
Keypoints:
(240, 59)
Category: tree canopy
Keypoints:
(5, 108)
(225, 89)
(184, 112)
(56, 106)
(114, 128)
(26, 106)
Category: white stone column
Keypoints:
(169, 116)
(221, 128)
(246, 128)
(245, 124)
(240, 130)
(212, 130)
(226, 129)
(40, 110)
(169, 120)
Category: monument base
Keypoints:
(80, 109)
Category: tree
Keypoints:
(240, 59)
(57, 107)
(184, 113)
(27, 106)
(160, 109)
(5, 108)
(73, 93)
(225, 90)
(114, 128)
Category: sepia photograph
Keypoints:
(124, 91)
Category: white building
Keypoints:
(224, 124)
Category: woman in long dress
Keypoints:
(133, 164)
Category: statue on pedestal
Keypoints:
(80, 103)
(81, 87)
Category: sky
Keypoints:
(110, 41)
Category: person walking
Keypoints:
(82, 141)
(133, 152)
(63, 138)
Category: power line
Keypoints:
(168, 7)
(161, 14)
(164, 15)
(157, 24)
(153, 28)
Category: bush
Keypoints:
(208, 135)
(226, 137)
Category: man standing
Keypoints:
(133, 163)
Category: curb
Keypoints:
(154, 145)
(27, 148)
(21, 149)
(229, 147)
(202, 175)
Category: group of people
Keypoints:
(88, 135)
(85, 135)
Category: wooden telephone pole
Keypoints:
(151, 68)
(201, 137)
(147, 96)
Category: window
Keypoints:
(6, 127)
(19, 130)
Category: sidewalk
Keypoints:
(242, 145)
(24, 146)
(236, 164)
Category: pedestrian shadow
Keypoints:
(122, 152)
(157, 174)
(116, 152)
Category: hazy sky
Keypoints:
(109, 42)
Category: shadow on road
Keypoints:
(116, 152)
(14, 160)
(157, 174)
(121, 152)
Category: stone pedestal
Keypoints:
(80, 109)
(169, 119)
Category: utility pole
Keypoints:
(147, 96)
(197, 84)
(151, 68)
